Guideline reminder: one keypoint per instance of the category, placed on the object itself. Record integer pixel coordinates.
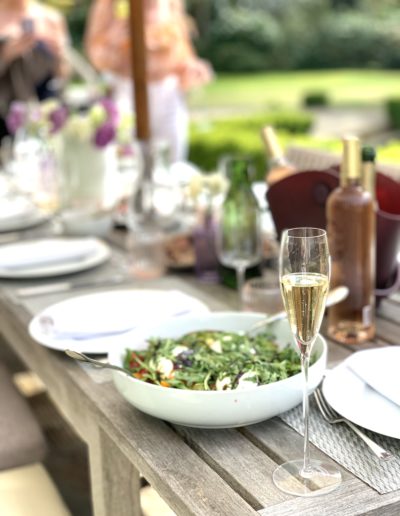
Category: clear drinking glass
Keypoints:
(304, 271)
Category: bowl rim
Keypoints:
(230, 392)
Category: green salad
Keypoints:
(213, 360)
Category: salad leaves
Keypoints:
(213, 360)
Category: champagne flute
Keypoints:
(238, 233)
(304, 271)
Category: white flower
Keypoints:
(246, 382)
(178, 350)
(165, 367)
(214, 345)
(48, 106)
(207, 186)
(97, 115)
(80, 127)
(224, 384)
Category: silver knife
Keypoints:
(54, 288)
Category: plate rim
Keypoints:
(102, 254)
(333, 402)
(99, 345)
(31, 222)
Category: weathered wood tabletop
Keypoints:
(197, 472)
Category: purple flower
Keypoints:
(104, 134)
(16, 116)
(58, 117)
(111, 109)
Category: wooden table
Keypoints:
(197, 472)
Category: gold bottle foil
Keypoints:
(351, 161)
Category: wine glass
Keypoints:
(238, 232)
(304, 271)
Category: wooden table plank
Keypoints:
(352, 498)
(238, 461)
(279, 441)
(115, 482)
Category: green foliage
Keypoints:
(208, 144)
(352, 38)
(315, 98)
(393, 109)
(306, 34)
(243, 40)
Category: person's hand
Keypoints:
(16, 47)
(195, 72)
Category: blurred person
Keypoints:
(172, 65)
(33, 39)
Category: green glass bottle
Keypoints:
(239, 229)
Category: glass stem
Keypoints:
(240, 273)
(305, 360)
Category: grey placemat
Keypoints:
(346, 448)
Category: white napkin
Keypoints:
(379, 368)
(111, 313)
(40, 253)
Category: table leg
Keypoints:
(115, 482)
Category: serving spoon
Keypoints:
(336, 295)
(96, 363)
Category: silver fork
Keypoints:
(333, 417)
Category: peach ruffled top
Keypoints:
(168, 41)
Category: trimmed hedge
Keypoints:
(393, 109)
(315, 99)
(208, 144)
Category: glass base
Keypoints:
(322, 478)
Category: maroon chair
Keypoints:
(299, 200)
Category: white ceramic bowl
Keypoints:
(215, 409)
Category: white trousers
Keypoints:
(169, 117)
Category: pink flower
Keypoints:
(16, 117)
(104, 135)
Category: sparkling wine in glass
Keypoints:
(304, 271)
(238, 232)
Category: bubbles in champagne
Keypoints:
(304, 296)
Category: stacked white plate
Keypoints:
(17, 213)
(365, 389)
(51, 257)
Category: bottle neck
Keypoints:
(346, 182)
(238, 174)
(369, 177)
(272, 144)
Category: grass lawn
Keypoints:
(286, 89)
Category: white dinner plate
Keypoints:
(19, 213)
(101, 253)
(20, 223)
(113, 315)
(352, 398)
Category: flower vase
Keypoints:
(89, 186)
(206, 265)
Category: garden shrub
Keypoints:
(315, 99)
(352, 39)
(393, 109)
(243, 40)
(241, 136)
